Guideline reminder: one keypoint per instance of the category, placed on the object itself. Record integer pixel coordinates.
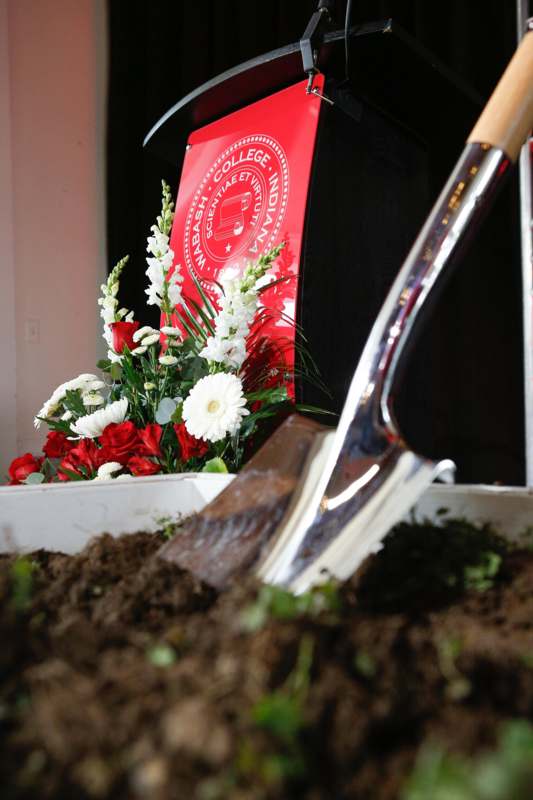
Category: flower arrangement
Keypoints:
(189, 396)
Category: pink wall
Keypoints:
(56, 104)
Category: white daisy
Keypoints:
(86, 382)
(168, 361)
(215, 407)
(92, 425)
(146, 330)
(107, 470)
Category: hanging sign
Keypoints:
(243, 190)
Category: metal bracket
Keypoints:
(312, 38)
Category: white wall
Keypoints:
(8, 375)
(54, 246)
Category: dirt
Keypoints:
(124, 677)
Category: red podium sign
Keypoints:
(244, 189)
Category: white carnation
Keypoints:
(215, 407)
(107, 470)
(92, 399)
(85, 382)
(144, 331)
(148, 340)
(168, 361)
(92, 425)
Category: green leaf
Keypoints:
(274, 394)
(72, 475)
(203, 316)
(165, 410)
(177, 416)
(209, 306)
(34, 478)
(314, 409)
(115, 371)
(104, 364)
(215, 465)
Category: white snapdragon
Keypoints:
(164, 290)
(232, 323)
(108, 307)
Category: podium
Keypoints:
(346, 174)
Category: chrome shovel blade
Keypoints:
(350, 525)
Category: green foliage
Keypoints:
(215, 465)
(273, 602)
(506, 773)
(22, 571)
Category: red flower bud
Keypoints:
(123, 335)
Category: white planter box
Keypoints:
(509, 509)
(64, 517)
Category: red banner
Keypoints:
(243, 190)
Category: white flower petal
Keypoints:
(168, 361)
(148, 340)
(144, 331)
(215, 407)
(92, 425)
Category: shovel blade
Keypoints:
(350, 526)
(228, 537)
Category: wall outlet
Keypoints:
(32, 331)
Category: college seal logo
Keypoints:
(238, 207)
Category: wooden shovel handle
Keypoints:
(508, 116)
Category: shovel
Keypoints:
(312, 502)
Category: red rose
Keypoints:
(120, 440)
(21, 467)
(57, 445)
(85, 454)
(190, 446)
(150, 438)
(123, 335)
(138, 465)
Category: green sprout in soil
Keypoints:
(364, 664)
(272, 602)
(421, 565)
(448, 651)
(280, 714)
(506, 773)
(168, 527)
(22, 571)
(161, 655)
(480, 577)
